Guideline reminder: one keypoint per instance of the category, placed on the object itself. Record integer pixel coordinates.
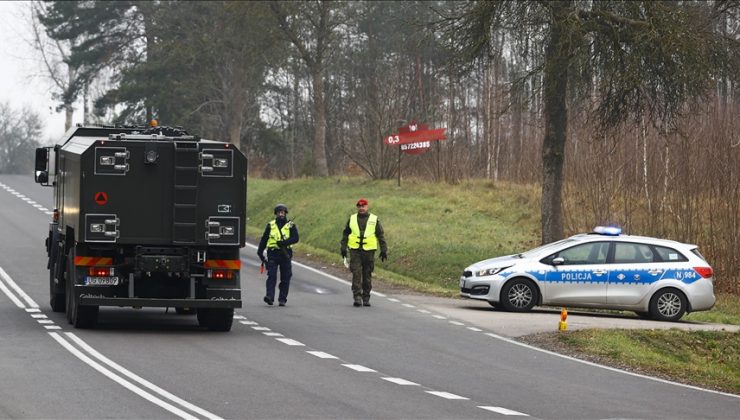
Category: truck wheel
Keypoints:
(56, 300)
(202, 314)
(184, 311)
(216, 319)
(79, 316)
(84, 316)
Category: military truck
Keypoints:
(144, 217)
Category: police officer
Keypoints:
(280, 234)
(362, 235)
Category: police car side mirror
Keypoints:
(558, 261)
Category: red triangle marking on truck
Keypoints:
(101, 197)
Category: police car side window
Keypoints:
(591, 253)
(629, 253)
(669, 254)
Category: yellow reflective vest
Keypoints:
(275, 234)
(369, 242)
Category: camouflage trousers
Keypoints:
(361, 263)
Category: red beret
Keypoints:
(361, 202)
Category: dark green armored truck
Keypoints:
(144, 217)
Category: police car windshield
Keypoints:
(543, 248)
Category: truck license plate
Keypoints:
(102, 281)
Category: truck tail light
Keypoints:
(221, 274)
(705, 272)
(100, 271)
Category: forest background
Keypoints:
(311, 89)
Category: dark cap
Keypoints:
(361, 202)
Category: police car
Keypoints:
(604, 269)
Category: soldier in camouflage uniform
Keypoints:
(362, 235)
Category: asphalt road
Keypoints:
(318, 357)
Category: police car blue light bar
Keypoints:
(608, 230)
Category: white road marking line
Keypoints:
(49, 212)
(408, 305)
(239, 317)
(322, 355)
(424, 311)
(11, 296)
(121, 381)
(456, 323)
(38, 316)
(447, 395)
(248, 323)
(38, 206)
(272, 334)
(30, 303)
(192, 407)
(400, 381)
(52, 327)
(502, 410)
(290, 341)
(475, 329)
(359, 368)
(44, 321)
(439, 316)
(393, 300)
(33, 310)
(261, 329)
(516, 343)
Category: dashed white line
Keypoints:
(38, 316)
(400, 381)
(52, 327)
(393, 300)
(44, 321)
(424, 311)
(475, 329)
(248, 322)
(239, 317)
(408, 305)
(30, 310)
(502, 410)
(447, 395)
(439, 316)
(322, 355)
(456, 323)
(261, 329)
(290, 341)
(272, 334)
(359, 368)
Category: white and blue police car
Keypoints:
(605, 269)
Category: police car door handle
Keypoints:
(599, 272)
(655, 271)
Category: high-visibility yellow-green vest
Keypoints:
(275, 234)
(370, 241)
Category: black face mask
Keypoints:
(280, 217)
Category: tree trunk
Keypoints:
(556, 123)
(319, 108)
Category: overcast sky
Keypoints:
(22, 83)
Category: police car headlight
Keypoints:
(489, 271)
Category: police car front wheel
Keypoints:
(519, 295)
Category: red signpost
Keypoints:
(414, 139)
